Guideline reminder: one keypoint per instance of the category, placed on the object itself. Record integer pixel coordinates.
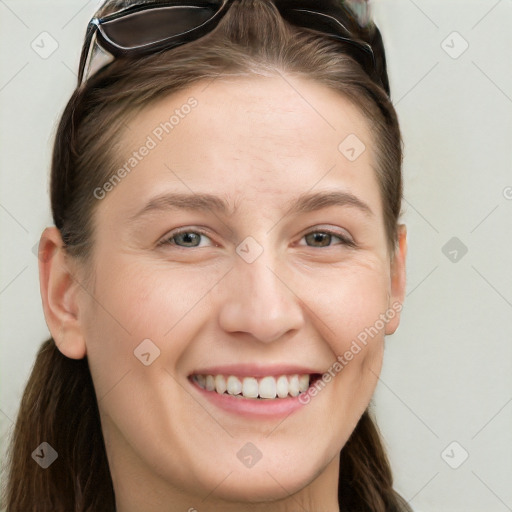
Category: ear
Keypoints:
(59, 286)
(398, 279)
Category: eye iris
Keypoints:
(188, 236)
(324, 238)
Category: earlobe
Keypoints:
(398, 279)
(59, 287)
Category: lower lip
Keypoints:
(251, 407)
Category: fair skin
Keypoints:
(258, 144)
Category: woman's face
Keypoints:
(211, 257)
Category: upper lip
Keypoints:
(254, 370)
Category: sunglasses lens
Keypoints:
(151, 26)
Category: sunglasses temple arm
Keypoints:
(95, 59)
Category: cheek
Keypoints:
(350, 315)
(349, 301)
(134, 303)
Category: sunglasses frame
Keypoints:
(99, 49)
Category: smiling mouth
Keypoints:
(269, 388)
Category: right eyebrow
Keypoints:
(178, 201)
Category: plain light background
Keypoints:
(444, 399)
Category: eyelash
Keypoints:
(344, 240)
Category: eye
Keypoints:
(188, 237)
(324, 237)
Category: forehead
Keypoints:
(252, 136)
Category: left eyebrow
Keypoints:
(305, 203)
(316, 201)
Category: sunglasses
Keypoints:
(144, 29)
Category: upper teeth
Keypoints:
(250, 387)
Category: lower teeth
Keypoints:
(249, 397)
(258, 397)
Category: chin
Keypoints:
(272, 480)
(262, 487)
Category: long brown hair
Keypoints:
(59, 405)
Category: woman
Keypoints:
(225, 264)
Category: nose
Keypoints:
(259, 301)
